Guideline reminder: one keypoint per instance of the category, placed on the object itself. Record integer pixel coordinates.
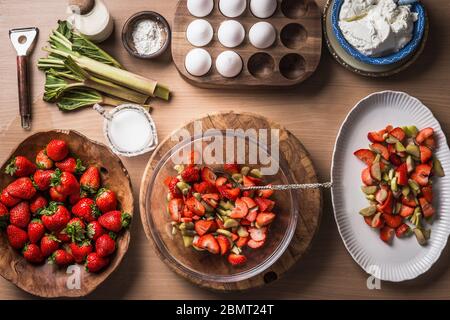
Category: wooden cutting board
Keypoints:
(309, 201)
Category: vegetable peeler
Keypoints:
(23, 40)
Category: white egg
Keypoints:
(262, 35)
(198, 62)
(231, 33)
(229, 64)
(232, 8)
(200, 8)
(263, 8)
(199, 33)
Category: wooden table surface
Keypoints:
(313, 112)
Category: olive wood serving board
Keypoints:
(293, 57)
(47, 280)
(309, 201)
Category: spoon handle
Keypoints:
(325, 185)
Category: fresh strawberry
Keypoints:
(240, 209)
(55, 217)
(90, 180)
(425, 154)
(63, 236)
(376, 136)
(424, 134)
(265, 205)
(247, 182)
(204, 187)
(392, 221)
(20, 215)
(57, 150)
(80, 250)
(95, 263)
(255, 244)
(421, 174)
(427, 193)
(224, 244)
(76, 230)
(208, 242)
(250, 202)
(86, 210)
(242, 242)
(17, 237)
(409, 201)
(211, 199)
(115, 220)
(380, 149)
(398, 133)
(106, 200)
(231, 168)
(204, 226)
(402, 231)
(231, 194)
(105, 245)
(236, 259)
(43, 179)
(20, 167)
(8, 200)
(65, 183)
(427, 209)
(62, 258)
(430, 143)
(366, 177)
(173, 189)
(95, 230)
(22, 188)
(4, 216)
(395, 159)
(43, 162)
(32, 253)
(387, 234)
(256, 181)
(71, 165)
(365, 155)
(36, 230)
(221, 181)
(376, 221)
(37, 203)
(267, 193)
(208, 176)
(402, 174)
(386, 207)
(190, 174)
(195, 206)
(175, 208)
(264, 219)
(56, 196)
(406, 211)
(76, 197)
(49, 244)
(258, 234)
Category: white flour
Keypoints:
(147, 37)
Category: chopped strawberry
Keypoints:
(424, 134)
(195, 206)
(395, 160)
(204, 187)
(392, 221)
(237, 259)
(425, 154)
(402, 175)
(224, 244)
(240, 209)
(231, 168)
(264, 219)
(266, 193)
(421, 174)
(398, 133)
(191, 174)
(221, 181)
(402, 231)
(231, 194)
(365, 155)
(208, 242)
(386, 207)
(202, 227)
(242, 241)
(427, 208)
(366, 177)
(430, 143)
(211, 199)
(380, 149)
(251, 216)
(427, 193)
(175, 208)
(387, 234)
(255, 244)
(265, 205)
(250, 202)
(258, 234)
(208, 176)
(247, 181)
(376, 136)
(173, 189)
(409, 201)
(406, 211)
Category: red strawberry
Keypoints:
(95, 230)
(204, 226)
(430, 143)
(231, 168)
(49, 244)
(20, 167)
(204, 187)
(173, 189)
(247, 182)
(409, 201)
(86, 210)
(231, 194)
(365, 155)
(255, 244)
(267, 193)
(95, 263)
(211, 199)
(424, 134)
(387, 234)
(208, 242)
(208, 176)
(366, 177)
(76, 230)
(80, 250)
(376, 136)
(36, 230)
(74, 198)
(395, 159)
(175, 207)
(20, 215)
(4, 216)
(250, 202)
(242, 241)
(62, 258)
(427, 208)
(57, 150)
(8, 200)
(258, 234)
(425, 154)
(386, 207)
(115, 220)
(63, 236)
(90, 180)
(17, 237)
(251, 216)
(32, 253)
(221, 181)
(240, 209)
(56, 196)
(402, 175)
(224, 244)
(43, 162)
(71, 165)
(265, 205)
(406, 211)
(264, 219)
(106, 200)
(380, 149)
(392, 221)
(398, 133)
(43, 179)
(190, 174)
(22, 188)
(195, 206)
(402, 231)
(236, 259)
(427, 193)
(105, 245)
(421, 174)
(55, 217)
(65, 183)
(37, 204)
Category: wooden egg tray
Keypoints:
(293, 57)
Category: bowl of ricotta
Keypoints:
(378, 32)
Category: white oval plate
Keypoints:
(405, 259)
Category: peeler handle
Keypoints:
(24, 93)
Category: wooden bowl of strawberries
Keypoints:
(65, 205)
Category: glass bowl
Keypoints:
(205, 266)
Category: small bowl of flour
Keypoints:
(146, 35)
